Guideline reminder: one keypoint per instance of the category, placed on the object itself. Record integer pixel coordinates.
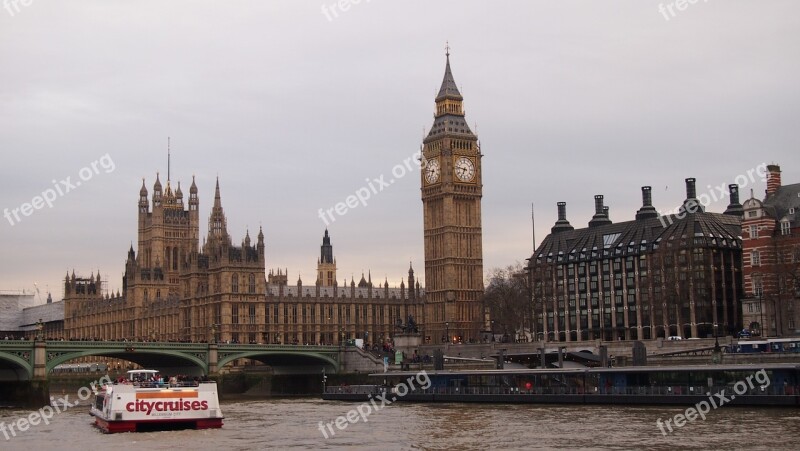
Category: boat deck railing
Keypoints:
(154, 384)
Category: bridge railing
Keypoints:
(127, 344)
(13, 345)
(276, 347)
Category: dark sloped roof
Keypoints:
(450, 124)
(636, 237)
(782, 201)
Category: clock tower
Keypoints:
(451, 199)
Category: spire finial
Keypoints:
(447, 49)
(168, 158)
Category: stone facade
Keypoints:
(176, 290)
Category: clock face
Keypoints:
(465, 169)
(432, 171)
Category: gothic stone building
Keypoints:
(771, 238)
(655, 276)
(173, 289)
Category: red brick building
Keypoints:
(771, 259)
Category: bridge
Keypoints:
(34, 360)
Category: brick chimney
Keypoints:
(773, 179)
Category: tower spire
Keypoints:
(217, 197)
(449, 89)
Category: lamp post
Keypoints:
(39, 327)
(761, 308)
(447, 330)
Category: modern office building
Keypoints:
(653, 276)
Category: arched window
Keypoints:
(235, 283)
(175, 258)
(252, 283)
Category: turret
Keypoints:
(411, 281)
(193, 199)
(179, 196)
(144, 204)
(157, 192)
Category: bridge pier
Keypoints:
(36, 392)
(212, 359)
(39, 360)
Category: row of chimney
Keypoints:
(690, 205)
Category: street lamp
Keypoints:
(447, 330)
(39, 327)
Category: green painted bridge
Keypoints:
(34, 360)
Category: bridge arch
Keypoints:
(14, 367)
(149, 358)
(281, 358)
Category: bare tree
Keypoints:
(786, 282)
(508, 298)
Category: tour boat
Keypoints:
(144, 401)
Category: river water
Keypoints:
(294, 424)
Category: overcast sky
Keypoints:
(295, 107)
